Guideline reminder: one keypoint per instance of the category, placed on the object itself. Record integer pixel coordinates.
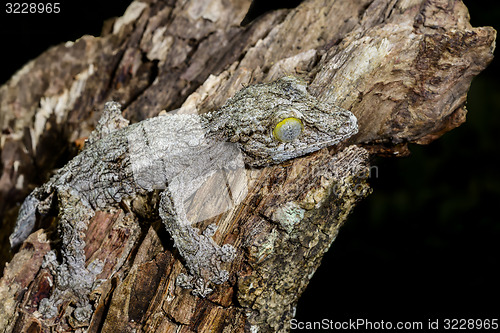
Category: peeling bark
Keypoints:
(402, 67)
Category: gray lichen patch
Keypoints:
(288, 216)
(263, 246)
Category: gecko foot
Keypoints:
(73, 279)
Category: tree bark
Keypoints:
(402, 67)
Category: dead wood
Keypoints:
(402, 67)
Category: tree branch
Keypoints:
(402, 67)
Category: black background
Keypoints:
(424, 245)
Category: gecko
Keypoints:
(170, 156)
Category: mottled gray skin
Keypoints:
(249, 117)
(174, 155)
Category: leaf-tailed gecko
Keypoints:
(172, 155)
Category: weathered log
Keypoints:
(402, 67)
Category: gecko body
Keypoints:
(173, 155)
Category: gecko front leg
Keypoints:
(203, 257)
(73, 280)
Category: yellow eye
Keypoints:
(288, 129)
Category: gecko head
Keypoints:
(278, 121)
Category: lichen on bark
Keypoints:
(402, 67)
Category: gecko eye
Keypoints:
(288, 129)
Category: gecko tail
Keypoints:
(26, 220)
